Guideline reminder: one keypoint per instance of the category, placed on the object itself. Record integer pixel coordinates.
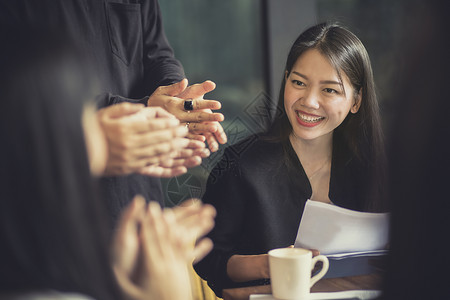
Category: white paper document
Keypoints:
(358, 294)
(338, 232)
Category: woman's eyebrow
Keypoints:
(300, 74)
(330, 82)
(321, 82)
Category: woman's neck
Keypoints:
(315, 157)
(312, 153)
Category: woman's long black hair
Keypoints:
(360, 133)
(52, 224)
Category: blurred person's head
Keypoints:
(52, 225)
(346, 108)
(419, 162)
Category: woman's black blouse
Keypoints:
(260, 195)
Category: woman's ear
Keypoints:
(357, 104)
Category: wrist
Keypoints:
(241, 268)
(263, 265)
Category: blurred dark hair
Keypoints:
(360, 133)
(419, 161)
(52, 224)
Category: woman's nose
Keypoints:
(310, 99)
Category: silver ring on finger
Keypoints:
(187, 125)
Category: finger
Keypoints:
(153, 241)
(160, 148)
(194, 151)
(137, 141)
(203, 153)
(203, 127)
(181, 245)
(198, 222)
(179, 154)
(197, 227)
(200, 116)
(202, 248)
(197, 137)
(220, 135)
(197, 90)
(189, 161)
(121, 109)
(142, 156)
(148, 126)
(166, 229)
(130, 217)
(156, 112)
(173, 89)
(132, 213)
(186, 209)
(160, 136)
(186, 153)
(127, 226)
(161, 153)
(155, 227)
(212, 142)
(194, 144)
(192, 202)
(126, 238)
(158, 171)
(121, 164)
(206, 104)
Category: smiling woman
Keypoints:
(315, 99)
(326, 146)
(316, 103)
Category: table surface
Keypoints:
(361, 282)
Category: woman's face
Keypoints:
(314, 99)
(95, 141)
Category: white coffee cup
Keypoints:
(290, 272)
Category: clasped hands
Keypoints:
(156, 142)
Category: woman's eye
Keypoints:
(298, 82)
(330, 91)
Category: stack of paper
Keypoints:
(338, 232)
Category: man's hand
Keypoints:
(178, 161)
(202, 122)
(141, 139)
(212, 131)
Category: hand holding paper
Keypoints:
(336, 231)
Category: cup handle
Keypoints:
(322, 272)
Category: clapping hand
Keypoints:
(203, 124)
(147, 140)
(152, 248)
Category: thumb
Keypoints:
(121, 109)
(197, 90)
(173, 89)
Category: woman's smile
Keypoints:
(308, 120)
